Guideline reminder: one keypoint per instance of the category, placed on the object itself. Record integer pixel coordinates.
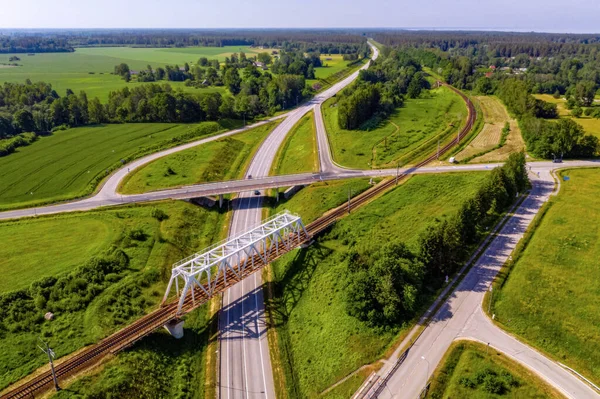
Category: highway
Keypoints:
(244, 361)
(461, 315)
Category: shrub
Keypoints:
(159, 214)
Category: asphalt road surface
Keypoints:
(461, 315)
(244, 361)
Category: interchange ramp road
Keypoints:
(244, 369)
(461, 315)
(236, 186)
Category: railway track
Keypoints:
(152, 321)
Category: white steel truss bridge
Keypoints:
(233, 256)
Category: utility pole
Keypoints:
(50, 354)
(348, 200)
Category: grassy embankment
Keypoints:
(71, 163)
(471, 370)
(484, 147)
(223, 159)
(411, 132)
(318, 343)
(551, 293)
(59, 246)
(590, 125)
(333, 70)
(298, 153)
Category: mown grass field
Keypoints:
(420, 121)
(298, 153)
(471, 370)
(70, 163)
(550, 297)
(223, 159)
(590, 125)
(495, 116)
(319, 343)
(72, 70)
(186, 229)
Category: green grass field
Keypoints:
(550, 297)
(590, 125)
(471, 370)
(55, 246)
(90, 68)
(420, 121)
(298, 153)
(223, 159)
(72, 70)
(319, 342)
(70, 163)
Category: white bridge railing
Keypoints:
(205, 268)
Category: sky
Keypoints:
(572, 16)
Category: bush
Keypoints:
(159, 214)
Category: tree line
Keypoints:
(380, 89)
(385, 287)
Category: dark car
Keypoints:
(256, 192)
(557, 160)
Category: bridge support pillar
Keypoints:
(175, 328)
(220, 200)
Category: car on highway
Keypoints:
(256, 192)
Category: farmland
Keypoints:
(483, 148)
(152, 238)
(223, 159)
(90, 69)
(550, 295)
(415, 126)
(471, 370)
(590, 124)
(298, 153)
(319, 342)
(70, 163)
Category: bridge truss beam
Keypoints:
(233, 256)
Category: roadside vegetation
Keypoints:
(550, 294)
(377, 269)
(587, 117)
(71, 163)
(437, 113)
(223, 159)
(499, 131)
(115, 276)
(472, 370)
(298, 153)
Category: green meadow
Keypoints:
(153, 237)
(298, 153)
(471, 370)
(410, 133)
(223, 159)
(70, 163)
(318, 341)
(551, 294)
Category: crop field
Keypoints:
(551, 294)
(418, 123)
(471, 370)
(495, 117)
(70, 163)
(153, 237)
(223, 159)
(89, 69)
(318, 341)
(298, 153)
